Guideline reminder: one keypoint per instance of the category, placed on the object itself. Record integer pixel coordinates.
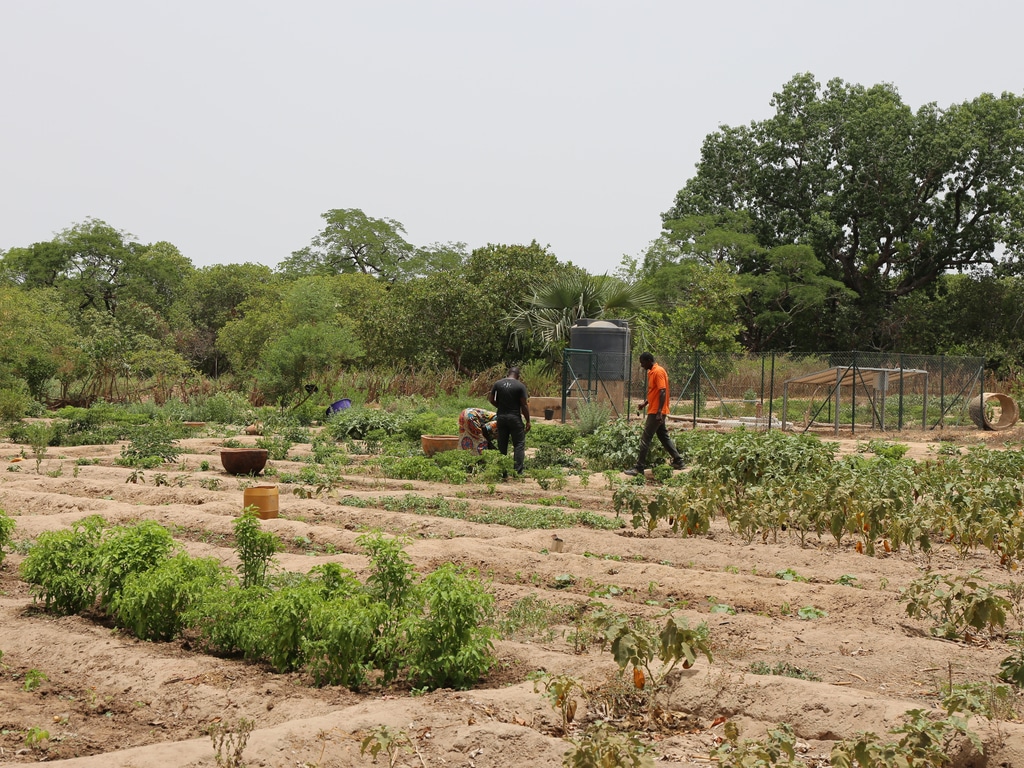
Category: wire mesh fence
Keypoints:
(837, 391)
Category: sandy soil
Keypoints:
(110, 700)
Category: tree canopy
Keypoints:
(352, 242)
(889, 199)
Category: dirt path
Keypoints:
(110, 700)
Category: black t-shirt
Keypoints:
(508, 396)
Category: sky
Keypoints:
(227, 128)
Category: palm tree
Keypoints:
(556, 306)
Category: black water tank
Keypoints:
(609, 340)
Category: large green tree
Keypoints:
(351, 241)
(206, 300)
(887, 197)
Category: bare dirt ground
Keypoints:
(111, 700)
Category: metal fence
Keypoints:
(839, 391)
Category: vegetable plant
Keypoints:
(956, 604)
(255, 547)
(62, 566)
(450, 642)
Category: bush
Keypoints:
(227, 619)
(616, 446)
(391, 583)
(62, 566)
(340, 641)
(255, 548)
(14, 404)
(151, 446)
(449, 639)
(6, 530)
(283, 624)
(590, 417)
(354, 423)
(129, 550)
(152, 604)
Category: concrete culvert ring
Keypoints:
(991, 410)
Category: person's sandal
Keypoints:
(632, 472)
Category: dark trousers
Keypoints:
(652, 427)
(512, 427)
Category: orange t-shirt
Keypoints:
(657, 380)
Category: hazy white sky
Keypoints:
(227, 128)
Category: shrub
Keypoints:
(450, 642)
(150, 446)
(616, 445)
(339, 644)
(127, 550)
(14, 404)
(255, 548)
(152, 604)
(62, 566)
(391, 583)
(283, 624)
(354, 423)
(227, 619)
(6, 531)
(591, 416)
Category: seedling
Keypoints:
(33, 679)
(392, 743)
(809, 613)
(35, 736)
(229, 741)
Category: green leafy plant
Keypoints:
(7, 526)
(925, 741)
(809, 613)
(777, 751)
(39, 436)
(391, 742)
(35, 736)
(130, 549)
(602, 747)
(152, 603)
(956, 604)
(277, 447)
(62, 566)
(449, 638)
(635, 643)
(338, 646)
(990, 700)
(33, 679)
(150, 446)
(561, 691)
(255, 548)
(1011, 669)
(788, 574)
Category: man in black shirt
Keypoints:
(511, 400)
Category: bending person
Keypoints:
(477, 430)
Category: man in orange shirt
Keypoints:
(657, 408)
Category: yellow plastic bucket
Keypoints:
(264, 498)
